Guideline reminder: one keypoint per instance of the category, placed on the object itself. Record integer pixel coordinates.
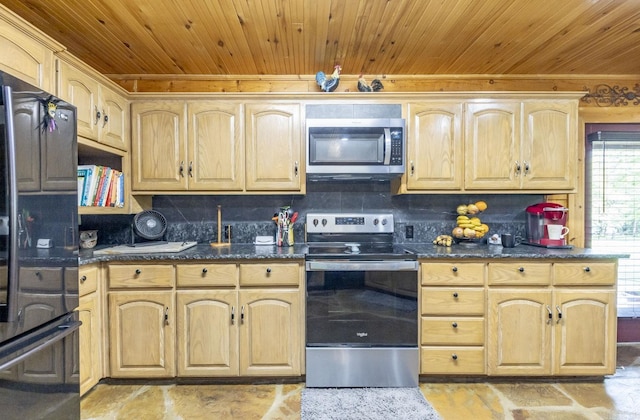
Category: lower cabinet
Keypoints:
(90, 333)
(565, 328)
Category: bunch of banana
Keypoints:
(443, 240)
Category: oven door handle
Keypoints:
(362, 265)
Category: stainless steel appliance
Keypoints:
(355, 149)
(38, 255)
(362, 305)
(539, 217)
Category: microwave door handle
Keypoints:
(387, 146)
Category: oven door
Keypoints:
(362, 303)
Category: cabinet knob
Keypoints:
(268, 270)
(454, 325)
(83, 279)
(295, 168)
(204, 270)
(587, 269)
(454, 356)
(454, 269)
(138, 271)
(521, 269)
(455, 295)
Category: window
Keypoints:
(613, 207)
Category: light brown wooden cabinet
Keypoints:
(274, 152)
(435, 158)
(521, 145)
(563, 327)
(230, 331)
(90, 335)
(452, 333)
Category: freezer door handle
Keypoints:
(19, 351)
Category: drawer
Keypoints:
(452, 360)
(446, 274)
(585, 273)
(278, 274)
(453, 331)
(519, 274)
(140, 275)
(453, 301)
(41, 279)
(87, 280)
(70, 278)
(203, 275)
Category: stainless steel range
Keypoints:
(362, 305)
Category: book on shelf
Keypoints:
(100, 186)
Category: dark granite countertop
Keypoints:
(298, 251)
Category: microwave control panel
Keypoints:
(396, 146)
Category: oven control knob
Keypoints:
(384, 222)
(315, 222)
(375, 222)
(324, 222)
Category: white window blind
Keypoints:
(613, 208)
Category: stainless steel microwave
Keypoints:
(355, 149)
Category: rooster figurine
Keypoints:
(329, 84)
(376, 85)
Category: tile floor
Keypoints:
(616, 397)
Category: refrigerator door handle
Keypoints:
(17, 352)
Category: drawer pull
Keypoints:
(521, 269)
(454, 325)
(204, 270)
(138, 271)
(587, 269)
(268, 270)
(455, 295)
(454, 356)
(559, 314)
(454, 269)
(83, 279)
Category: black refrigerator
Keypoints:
(39, 328)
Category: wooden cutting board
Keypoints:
(150, 249)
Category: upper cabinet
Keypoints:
(206, 145)
(26, 52)
(434, 154)
(521, 145)
(274, 147)
(102, 112)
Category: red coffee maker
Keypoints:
(538, 217)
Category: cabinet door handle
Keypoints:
(526, 168)
(83, 279)
(550, 314)
(413, 168)
(242, 314)
(166, 315)
(181, 168)
(191, 169)
(295, 168)
(518, 168)
(559, 314)
(98, 116)
(233, 314)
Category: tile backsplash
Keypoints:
(194, 217)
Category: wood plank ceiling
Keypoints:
(378, 37)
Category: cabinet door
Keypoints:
(26, 58)
(207, 332)
(216, 152)
(27, 120)
(58, 166)
(519, 334)
(90, 347)
(271, 339)
(141, 334)
(492, 145)
(158, 147)
(434, 148)
(77, 88)
(550, 145)
(114, 123)
(274, 152)
(585, 336)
